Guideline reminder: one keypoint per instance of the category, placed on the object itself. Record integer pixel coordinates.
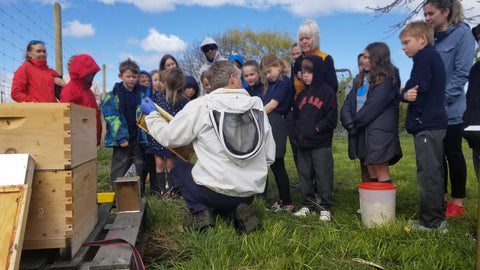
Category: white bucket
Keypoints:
(377, 203)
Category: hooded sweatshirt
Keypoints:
(315, 110)
(77, 91)
(34, 82)
(218, 168)
(456, 46)
(206, 65)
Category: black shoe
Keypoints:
(199, 221)
(245, 219)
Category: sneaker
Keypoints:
(302, 212)
(454, 210)
(419, 227)
(200, 220)
(277, 206)
(245, 219)
(325, 215)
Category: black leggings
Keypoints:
(281, 178)
(456, 162)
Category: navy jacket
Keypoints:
(472, 114)
(255, 90)
(427, 112)
(376, 123)
(315, 110)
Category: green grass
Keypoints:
(287, 242)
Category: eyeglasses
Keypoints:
(34, 42)
(209, 47)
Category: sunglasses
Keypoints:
(209, 47)
(34, 42)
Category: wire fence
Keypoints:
(20, 23)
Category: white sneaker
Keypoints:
(325, 216)
(302, 212)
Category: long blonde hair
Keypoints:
(271, 60)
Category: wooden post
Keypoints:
(57, 10)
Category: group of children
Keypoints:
(170, 89)
(370, 114)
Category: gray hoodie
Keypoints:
(456, 46)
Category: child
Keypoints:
(426, 120)
(157, 82)
(205, 83)
(238, 61)
(172, 102)
(370, 114)
(352, 140)
(82, 69)
(315, 115)
(191, 88)
(251, 73)
(144, 79)
(121, 108)
(275, 98)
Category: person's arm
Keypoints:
(346, 114)
(114, 121)
(271, 106)
(329, 120)
(330, 74)
(178, 132)
(464, 54)
(268, 141)
(19, 91)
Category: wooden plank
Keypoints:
(14, 202)
(16, 169)
(127, 227)
(79, 258)
(57, 135)
(85, 208)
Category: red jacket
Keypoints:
(33, 82)
(77, 91)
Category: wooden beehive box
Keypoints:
(57, 135)
(63, 208)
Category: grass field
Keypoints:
(287, 242)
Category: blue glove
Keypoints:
(147, 106)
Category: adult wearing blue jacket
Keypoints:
(455, 43)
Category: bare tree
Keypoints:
(418, 8)
(245, 42)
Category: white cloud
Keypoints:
(78, 29)
(162, 43)
(302, 8)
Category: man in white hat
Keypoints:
(210, 49)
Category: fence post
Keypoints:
(57, 17)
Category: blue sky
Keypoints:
(112, 30)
